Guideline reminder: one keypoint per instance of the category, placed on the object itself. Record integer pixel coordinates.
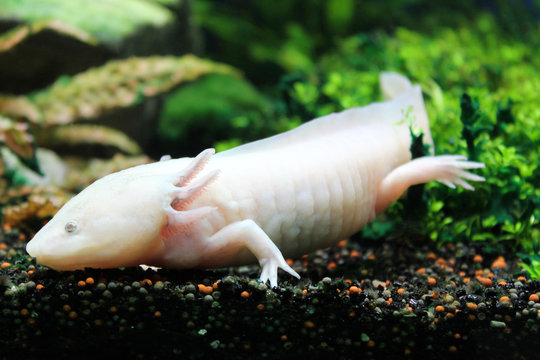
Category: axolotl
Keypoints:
(286, 195)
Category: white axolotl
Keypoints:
(286, 195)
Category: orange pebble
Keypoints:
(440, 261)
(157, 314)
(66, 308)
(245, 294)
(478, 258)
(73, 315)
(431, 256)
(502, 283)
(81, 284)
(486, 281)
(5, 265)
(289, 262)
(432, 280)
(472, 306)
(309, 324)
(355, 290)
(39, 287)
(354, 254)
(205, 289)
(260, 306)
(89, 281)
(371, 257)
(421, 271)
(30, 272)
(304, 292)
(439, 308)
(522, 278)
(499, 263)
(504, 298)
(25, 312)
(400, 291)
(332, 265)
(479, 273)
(534, 297)
(342, 243)
(3, 246)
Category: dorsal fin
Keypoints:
(354, 119)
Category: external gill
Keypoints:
(194, 167)
(185, 191)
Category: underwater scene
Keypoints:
(236, 179)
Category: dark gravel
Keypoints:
(393, 299)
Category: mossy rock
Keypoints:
(49, 38)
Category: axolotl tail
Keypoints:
(398, 88)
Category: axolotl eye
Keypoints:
(71, 227)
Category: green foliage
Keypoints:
(273, 30)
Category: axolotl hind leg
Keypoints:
(228, 241)
(446, 169)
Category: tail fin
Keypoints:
(397, 88)
(393, 84)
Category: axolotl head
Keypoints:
(114, 222)
(123, 218)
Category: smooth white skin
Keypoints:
(285, 195)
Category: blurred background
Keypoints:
(91, 87)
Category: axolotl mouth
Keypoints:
(36, 249)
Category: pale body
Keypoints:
(279, 197)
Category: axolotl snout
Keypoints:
(286, 195)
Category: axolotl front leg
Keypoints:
(230, 240)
